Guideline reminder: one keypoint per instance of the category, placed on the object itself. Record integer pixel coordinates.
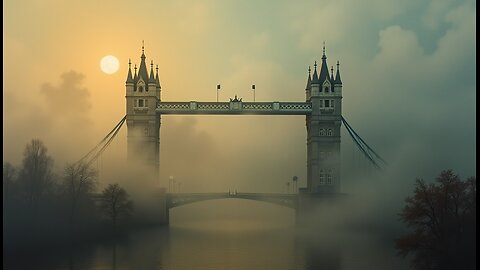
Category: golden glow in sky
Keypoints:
(398, 68)
(109, 64)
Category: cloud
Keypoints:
(435, 13)
(68, 98)
(59, 117)
(406, 84)
(422, 96)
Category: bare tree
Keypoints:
(116, 203)
(443, 216)
(36, 175)
(79, 182)
(9, 174)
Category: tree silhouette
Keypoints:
(9, 174)
(78, 182)
(443, 218)
(116, 203)
(36, 177)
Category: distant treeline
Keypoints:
(43, 207)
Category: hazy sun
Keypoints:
(109, 64)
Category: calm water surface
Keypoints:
(237, 236)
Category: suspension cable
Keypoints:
(369, 148)
(109, 136)
(367, 155)
(108, 142)
(363, 146)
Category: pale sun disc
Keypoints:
(109, 64)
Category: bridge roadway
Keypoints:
(179, 199)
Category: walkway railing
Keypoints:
(235, 107)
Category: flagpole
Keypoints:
(253, 87)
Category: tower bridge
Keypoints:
(322, 108)
(323, 114)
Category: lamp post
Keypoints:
(218, 88)
(294, 180)
(288, 187)
(253, 88)
(170, 183)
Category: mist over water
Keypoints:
(227, 234)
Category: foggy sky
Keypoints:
(408, 72)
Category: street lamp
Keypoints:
(294, 180)
(288, 187)
(170, 183)
(253, 88)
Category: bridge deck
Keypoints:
(178, 199)
(233, 107)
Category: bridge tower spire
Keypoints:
(143, 124)
(323, 132)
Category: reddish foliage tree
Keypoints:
(443, 218)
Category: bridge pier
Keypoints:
(151, 210)
(164, 213)
(313, 208)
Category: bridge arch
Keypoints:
(286, 200)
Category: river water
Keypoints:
(235, 236)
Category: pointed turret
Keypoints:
(157, 79)
(324, 69)
(142, 71)
(157, 85)
(309, 80)
(338, 80)
(331, 74)
(135, 78)
(315, 75)
(152, 76)
(129, 76)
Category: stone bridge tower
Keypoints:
(324, 92)
(143, 124)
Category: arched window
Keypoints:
(329, 177)
(329, 132)
(140, 88)
(322, 177)
(322, 132)
(326, 89)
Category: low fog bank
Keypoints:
(243, 153)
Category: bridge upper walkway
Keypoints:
(235, 107)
